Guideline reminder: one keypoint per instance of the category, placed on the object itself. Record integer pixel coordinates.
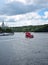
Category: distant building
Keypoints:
(3, 25)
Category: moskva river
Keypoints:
(18, 50)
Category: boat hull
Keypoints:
(28, 35)
(6, 34)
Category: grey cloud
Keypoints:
(10, 20)
(2, 18)
(43, 3)
(15, 8)
(40, 1)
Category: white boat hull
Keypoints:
(6, 34)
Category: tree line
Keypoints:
(7, 30)
(39, 28)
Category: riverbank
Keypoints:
(38, 28)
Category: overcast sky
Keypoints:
(24, 12)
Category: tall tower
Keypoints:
(3, 25)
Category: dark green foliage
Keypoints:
(39, 28)
(8, 30)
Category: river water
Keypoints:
(18, 50)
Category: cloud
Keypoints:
(24, 12)
(2, 17)
(42, 11)
(32, 18)
(24, 17)
(15, 7)
(29, 1)
(22, 1)
(46, 14)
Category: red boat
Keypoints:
(28, 35)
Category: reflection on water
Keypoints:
(18, 50)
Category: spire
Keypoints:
(3, 24)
